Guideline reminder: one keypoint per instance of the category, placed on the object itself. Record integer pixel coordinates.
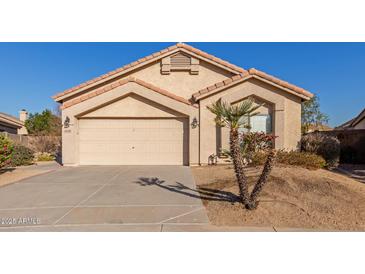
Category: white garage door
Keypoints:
(133, 141)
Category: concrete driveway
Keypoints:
(108, 198)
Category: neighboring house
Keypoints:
(352, 138)
(313, 128)
(11, 124)
(356, 123)
(154, 110)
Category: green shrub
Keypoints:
(22, 156)
(324, 145)
(295, 158)
(6, 150)
(253, 142)
(303, 159)
(44, 157)
(256, 141)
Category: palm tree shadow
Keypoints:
(203, 193)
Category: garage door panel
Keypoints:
(133, 141)
(136, 147)
(131, 123)
(153, 135)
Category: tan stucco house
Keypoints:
(154, 110)
(13, 125)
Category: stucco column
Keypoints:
(69, 141)
(194, 140)
(279, 127)
(208, 138)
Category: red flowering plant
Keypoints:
(252, 142)
(6, 150)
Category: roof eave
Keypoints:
(122, 82)
(207, 94)
(358, 118)
(60, 98)
(301, 95)
(11, 122)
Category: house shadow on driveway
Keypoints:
(202, 193)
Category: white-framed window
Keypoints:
(258, 123)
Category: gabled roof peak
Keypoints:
(147, 59)
(121, 83)
(250, 74)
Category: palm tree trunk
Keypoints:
(262, 180)
(239, 166)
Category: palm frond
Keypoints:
(231, 115)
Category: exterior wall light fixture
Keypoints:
(194, 123)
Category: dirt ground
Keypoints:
(11, 175)
(294, 197)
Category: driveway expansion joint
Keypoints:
(87, 198)
(181, 215)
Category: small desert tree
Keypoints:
(233, 117)
(312, 115)
(45, 123)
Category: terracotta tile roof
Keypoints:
(149, 57)
(249, 74)
(210, 57)
(121, 83)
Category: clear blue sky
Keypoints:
(30, 73)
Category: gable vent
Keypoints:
(180, 61)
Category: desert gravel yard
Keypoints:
(294, 198)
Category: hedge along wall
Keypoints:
(352, 145)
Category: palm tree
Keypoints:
(233, 117)
(262, 180)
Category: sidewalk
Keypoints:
(356, 172)
(212, 228)
(153, 228)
